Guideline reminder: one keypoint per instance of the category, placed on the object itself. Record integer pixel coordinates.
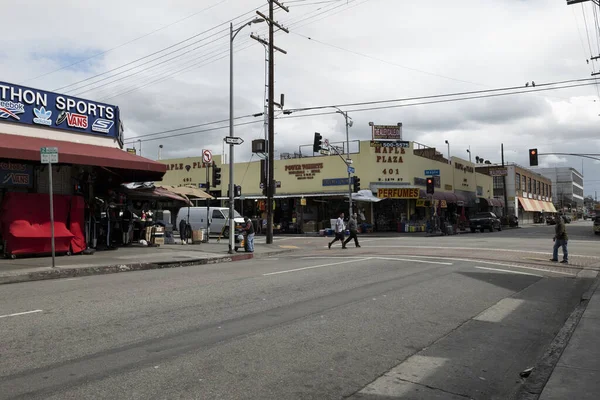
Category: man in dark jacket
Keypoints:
(353, 227)
(560, 239)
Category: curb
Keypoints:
(534, 386)
(59, 273)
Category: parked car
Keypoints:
(550, 220)
(485, 220)
(597, 225)
(218, 218)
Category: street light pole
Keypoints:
(232, 35)
(348, 160)
(448, 143)
(140, 140)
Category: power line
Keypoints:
(126, 43)
(158, 51)
(437, 101)
(134, 139)
(533, 89)
(484, 94)
(195, 66)
(384, 61)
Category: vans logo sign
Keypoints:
(77, 120)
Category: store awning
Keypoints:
(546, 206)
(528, 204)
(130, 167)
(449, 197)
(493, 202)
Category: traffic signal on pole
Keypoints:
(318, 143)
(533, 157)
(216, 175)
(430, 186)
(356, 184)
(237, 190)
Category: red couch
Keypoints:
(25, 223)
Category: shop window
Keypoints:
(529, 185)
(518, 181)
(535, 186)
(524, 183)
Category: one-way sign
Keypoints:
(233, 140)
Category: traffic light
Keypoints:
(533, 157)
(318, 143)
(430, 186)
(216, 175)
(356, 184)
(237, 191)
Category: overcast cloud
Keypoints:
(408, 49)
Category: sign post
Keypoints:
(49, 155)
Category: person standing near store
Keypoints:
(560, 239)
(339, 231)
(353, 227)
(249, 229)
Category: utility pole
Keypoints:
(271, 142)
(503, 184)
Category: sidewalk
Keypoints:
(577, 374)
(132, 258)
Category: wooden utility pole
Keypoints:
(271, 113)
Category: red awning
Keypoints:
(131, 167)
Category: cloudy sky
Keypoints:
(167, 68)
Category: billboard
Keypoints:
(24, 105)
(387, 132)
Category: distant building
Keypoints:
(567, 187)
(528, 193)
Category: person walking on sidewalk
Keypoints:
(353, 227)
(339, 231)
(560, 239)
(249, 230)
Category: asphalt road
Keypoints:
(319, 324)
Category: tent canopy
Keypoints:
(188, 191)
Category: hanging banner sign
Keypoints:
(24, 105)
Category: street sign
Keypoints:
(49, 155)
(277, 185)
(432, 172)
(234, 140)
(206, 156)
(326, 142)
(350, 170)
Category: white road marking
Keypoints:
(314, 266)
(20, 313)
(473, 248)
(474, 260)
(509, 271)
(412, 260)
(500, 310)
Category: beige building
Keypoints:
(312, 190)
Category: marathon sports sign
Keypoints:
(24, 105)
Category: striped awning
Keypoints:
(537, 205)
(528, 204)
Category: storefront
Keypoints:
(313, 190)
(88, 198)
(534, 211)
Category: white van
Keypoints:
(218, 217)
